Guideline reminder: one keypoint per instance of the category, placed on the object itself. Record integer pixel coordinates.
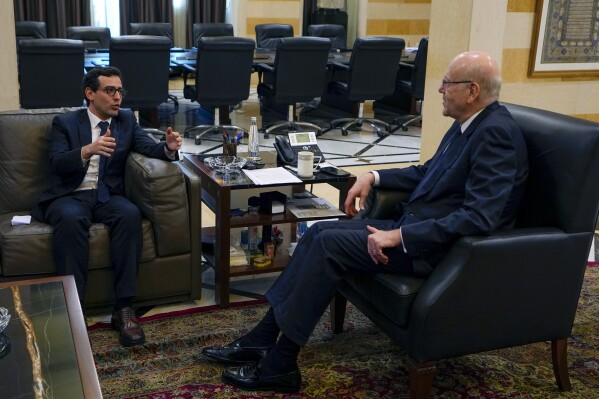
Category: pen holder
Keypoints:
(230, 149)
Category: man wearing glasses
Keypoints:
(88, 150)
(473, 185)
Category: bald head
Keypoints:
(481, 68)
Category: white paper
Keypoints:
(19, 220)
(271, 176)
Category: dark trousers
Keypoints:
(322, 258)
(71, 217)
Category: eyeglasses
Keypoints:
(111, 91)
(446, 83)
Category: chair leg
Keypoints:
(421, 379)
(559, 356)
(337, 310)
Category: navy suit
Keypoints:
(474, 186)
(71, 212)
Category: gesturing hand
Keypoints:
(104, 146)
(359, 190)
(173, 140)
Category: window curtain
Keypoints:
(199, 11)
(144, 11)
(58, 14)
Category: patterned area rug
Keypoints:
(360, 363)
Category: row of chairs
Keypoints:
(299, 74)
(222, 71)
(267, 35)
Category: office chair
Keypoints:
(514, 287)
(335, 33)
(298, 75)
(409, 90)
(153, 29)
(25, 30)
(50, 73)
(211, 29)
(144, 62)
(222, 78)
(268, 35)
(93, 37)
(370, 75)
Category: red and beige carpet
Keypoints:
(360, 363)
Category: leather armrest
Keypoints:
(489, 293)
(158, 188)
(382, 203)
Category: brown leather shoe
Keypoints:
(130, 331)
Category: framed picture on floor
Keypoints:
(565, 39)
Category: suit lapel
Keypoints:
(444, 161)
(84, 129)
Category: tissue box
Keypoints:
(272, 202)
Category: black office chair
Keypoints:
(222, 78)
(50, 73)
(268, 35)
(211, 29)
(25, 30)
(370, 75)
(409, 90)
(514, 287)
(298, 75)
(144, 62)
(153, 29)
(335, 33)
(93, 37)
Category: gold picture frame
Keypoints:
(565, 39)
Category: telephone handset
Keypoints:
(301, 141)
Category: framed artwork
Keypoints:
(565, 39)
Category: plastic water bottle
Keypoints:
(253, 142)
(300, 230)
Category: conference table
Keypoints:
(180, 57)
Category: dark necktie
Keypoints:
(103, 193)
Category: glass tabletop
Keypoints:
(39, 355)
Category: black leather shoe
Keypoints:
(234, 353)
(130, 331)
(248, 377)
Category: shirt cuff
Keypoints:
(405, 251)
(169, 154)
(377, 178)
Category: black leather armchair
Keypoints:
(335, 33)
(144, 62)
(511, 288)
(268, 35)
(152, 29)
(50, 73)
(93, 37)
(211, 29)
(409, 90)
(370, 75)
(25, 30)
(222, 78)
(298, 75)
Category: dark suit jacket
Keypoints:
(70, 132)
(475, 189)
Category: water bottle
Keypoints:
(254, 143)
(300, 230)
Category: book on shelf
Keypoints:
(313, 207)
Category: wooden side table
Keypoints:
(217, 193)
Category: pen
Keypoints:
(238, 138)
